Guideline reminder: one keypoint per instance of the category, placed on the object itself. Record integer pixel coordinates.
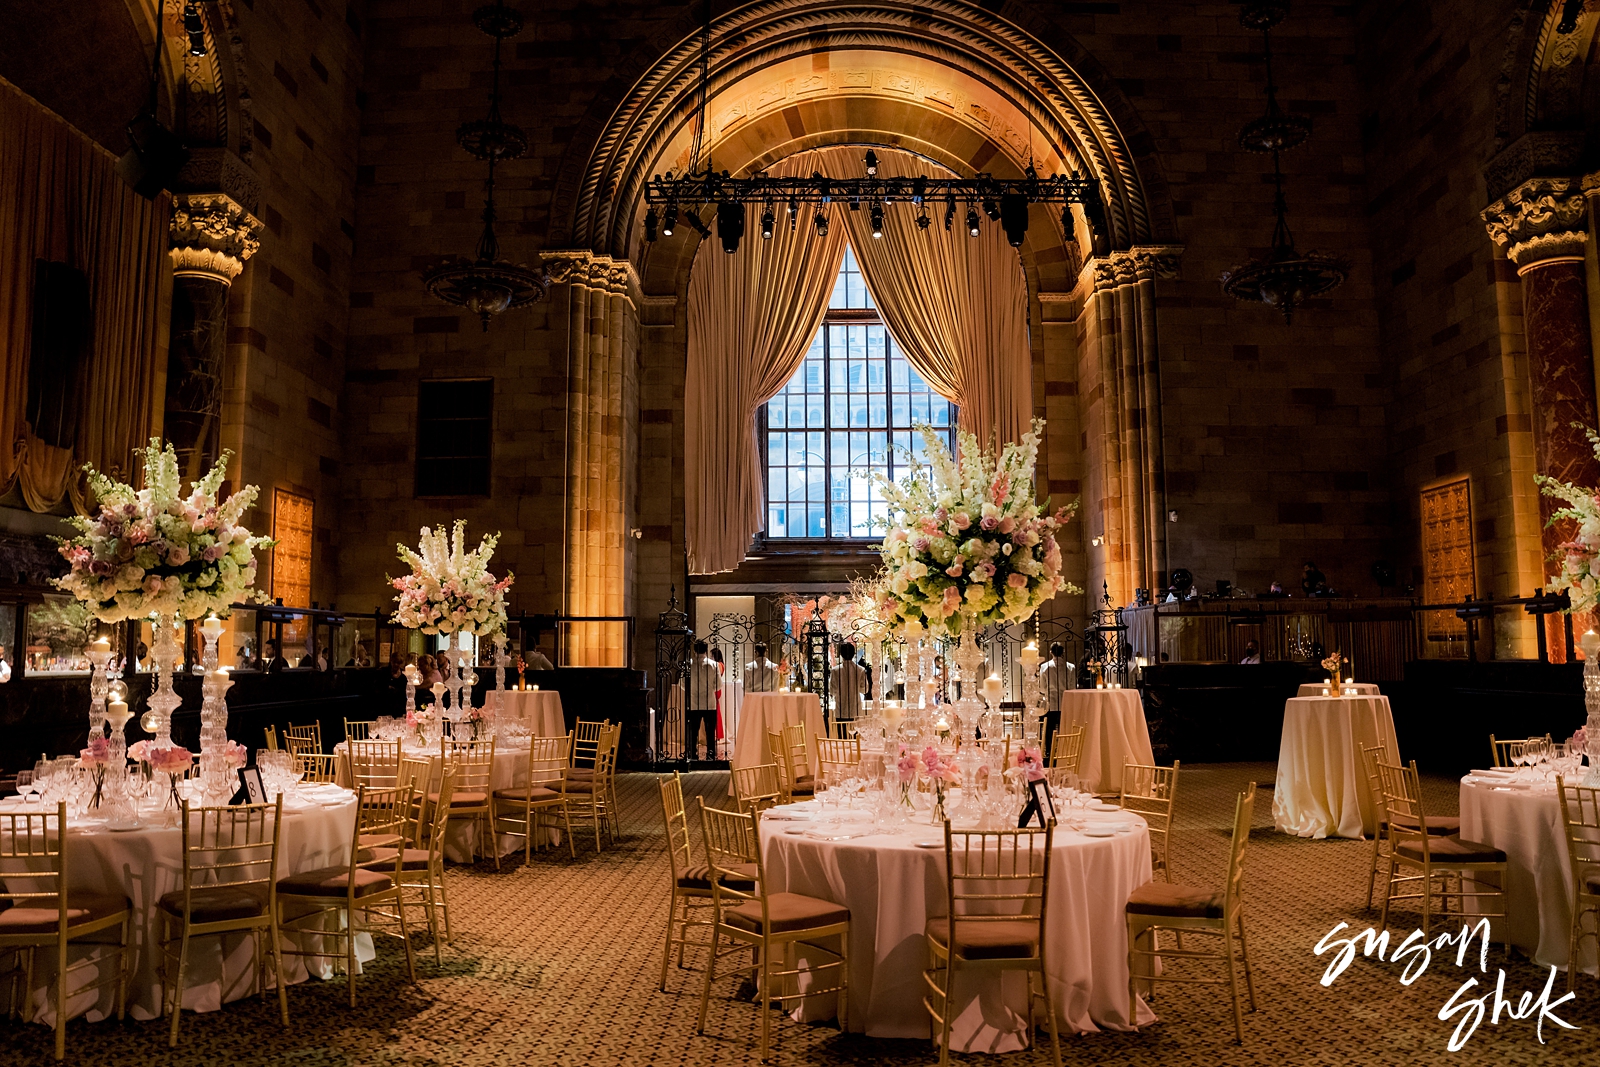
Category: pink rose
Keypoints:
(98, 754)
(954, 570)
(952, 598)
(962, 520)
(152, 586)
(988, 523)
(1017, 581)
(171, 759)
(178, 555)
(920, 544)
(1031, 763)
(1007, 524)
(139, 751)
(235, 755)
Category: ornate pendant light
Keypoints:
(1286, 279)
(485, 284)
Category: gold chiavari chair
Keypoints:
(691, 881)
(422, 867)
(1184, 909)
(522, 811)
(1153, 793)
(317, 766)
(756, 788)
(1066, 749)
(770, 923)
(39, 911)
(1412, 847)
(474, 763)
(835, 757)
(586, 737)
(347, 888)
(1505, 753)
(298, 739)
(230, 865)
(372, 763)
(998, 883)
(271, 737)
(1580, 815)
(589, 800)
(1438, 825)
(790, 756)
(358, 729)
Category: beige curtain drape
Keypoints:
(956, 304)
(752, 316)
(62, 201)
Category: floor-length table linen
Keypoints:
(1315, 689)
(1525, 824)
(510, 770)
(765, 713)
(145, 864)
(540, 709)
(892, 887)
(1322, 787)
(1115, 732)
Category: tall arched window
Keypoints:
(847, 412)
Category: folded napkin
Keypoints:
(1493, 770)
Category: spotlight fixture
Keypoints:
(872, 163)
(794, 213)
(821, 223)
(877, 219)
(730, 225)
(1069, 228)
(972, 222)
(650, 222)
(195, 27)
(1014, 217)
(155, 154)
(768, 222)
(949, 212)
(923, 221)
(670, 222)
(991, 209)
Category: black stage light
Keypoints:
(972, 222)
(768, 221)
(1014, 218)
(821, 222)
(650, 221)
(877, 219)
(670, 223)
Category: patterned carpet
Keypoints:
(555, 963)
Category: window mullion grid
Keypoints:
(827, 434)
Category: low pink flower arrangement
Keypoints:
(98, 754)
(906, 765)
(139, 751)
(235, 755)
(170, 759)
(1030, 763)
(1580, 740)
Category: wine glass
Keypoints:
(24, 785)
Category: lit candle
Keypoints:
(535, 689)
(1590, 644)
(993, 689)
(212, 627)
(101, 645)
(1030, 655)
(117, 714)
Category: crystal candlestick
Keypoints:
(216, 777)
(163, 702)
(1591, 700)
(501, 662)
(99, 653)
(118, 807)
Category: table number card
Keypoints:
(250, 791)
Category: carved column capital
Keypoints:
(1539, 222)
(1139, 263)
(593, 271)
(212, 236)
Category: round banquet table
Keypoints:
(765, 713)
(1525, 824)
(892, 887)
(1322, 788)
(146, 863)
(1315, 689)
(540, 709)
(1115, 733)
(510, 770)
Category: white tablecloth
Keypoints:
(892, 887)
(539, 708)
(1322, 788)
(1314, 689)
(1114, 733)
(765, 713)
(146, 863)
(510, 770)
(1525, 824)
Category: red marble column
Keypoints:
(1561, 370)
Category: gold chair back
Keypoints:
(235, 846)
(1243, 812)
(31, 851)
(757, 788)
(680, 852)
(272, 738)
(1152, 792)
(298, 739)
(586, 738)
(732, 849)
(474, 763)
(998, 875)
(384, 812)
(1066, 749)
(1505, 753)
(1402, 803)
(358, 729)
(317, 766)
(548, 760)
(374, 763)
(1580, 815)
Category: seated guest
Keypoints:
(538, 661)
(1252, 653)
(760, 674)
(272, 661)
(360, 657)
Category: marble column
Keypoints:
(211, 238)
(1541, 226)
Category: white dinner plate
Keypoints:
(1098, 831)
(1104, 807)
(929, 844)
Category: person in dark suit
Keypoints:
(272, 660)
(700, 702)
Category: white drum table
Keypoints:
(1115, 732)
(765, 713)
(1525, 824)
(892, 887)
(1315, 689)
(145, 864)
(1322, 787)
(539, 709)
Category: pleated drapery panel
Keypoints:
(752, 316)
(61, 200)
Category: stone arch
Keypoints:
(1019, 83)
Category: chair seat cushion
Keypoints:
(1004, 939)
(579, 774)
(1180, 901)
(416, 859)
(218, 903)
(333, 882)
(583, 785)
(698, 876)
(1438, 825)
(1451, 850)
(462, 799)
(379, 840)
(788, 912)
(39, 917)
(807, 780)
(538, 794)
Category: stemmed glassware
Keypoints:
(24, 785)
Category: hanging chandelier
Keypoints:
(1286, 279)
(485, 284)
(687, 198)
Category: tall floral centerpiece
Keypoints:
(1580, 577)
(451, 591)
(161, 553)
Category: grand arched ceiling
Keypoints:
(947, 79)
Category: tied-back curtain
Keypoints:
(752, 316)
(956, 304)
(61, 200)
